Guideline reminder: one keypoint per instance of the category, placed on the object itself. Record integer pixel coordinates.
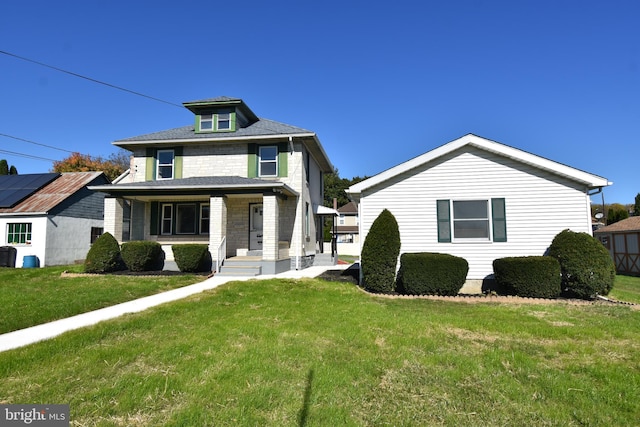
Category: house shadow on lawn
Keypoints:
(351, 274)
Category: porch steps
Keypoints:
(241, 266)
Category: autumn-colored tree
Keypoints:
(112, 167)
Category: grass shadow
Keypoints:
(304, 411)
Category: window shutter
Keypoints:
(177, 163)
(252, 160)
(283, 159)
(232, 121)
(155, 219)
(150, 165)
(444, 221)
(499, 220)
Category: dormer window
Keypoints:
(224, 121)
(206, 122)
(165, 164)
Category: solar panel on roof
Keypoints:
(15, 188)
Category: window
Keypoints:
(165, 164)
(224, 121)
(95, 233)
(204, 219)
(19, 233)
(206, 122)
(268, 163)
(307, 220)
(341, 220)
(167, 219)
(186, 218)
(471, 220)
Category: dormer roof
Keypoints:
(211, 104)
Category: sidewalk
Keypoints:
(45, 331)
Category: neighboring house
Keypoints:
(52, 216)
(245, 186)
(622, 240)
(480, 200)
(347, 224)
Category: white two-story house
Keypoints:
(246, 186)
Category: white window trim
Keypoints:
(173, 164)
(228, 120)
(163, 218)
(28, 236)
(261, 162)
(210, 119)
(489, 219)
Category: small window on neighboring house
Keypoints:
(268, 160)
(341, 220)
(167, 219)
(19, 233)
(186, 218)
(206, 122)
(165, 164)
(224, 121)
(204, 219)
(95, 233)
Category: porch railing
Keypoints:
(222, 254)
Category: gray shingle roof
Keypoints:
(263, 127)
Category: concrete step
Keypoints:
(324, 259)
(240, 270)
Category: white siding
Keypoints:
(538, 205)
(38, 237)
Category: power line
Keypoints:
(89, 79)
(28, 156)
(36, 143)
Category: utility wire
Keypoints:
(28, 156)
(36, 143)
(89, 78)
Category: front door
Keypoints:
(255, 228)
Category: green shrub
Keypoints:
(587, 269)
(104, 256)
(528, 276)
(427, 273)
(192, 258)
(140, 255)
(380, 254)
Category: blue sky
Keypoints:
(379, 82)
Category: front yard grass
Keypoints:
(626, 288)
(319, 353)
(30, 296)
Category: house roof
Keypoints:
(56, 191)
(221, 101)
(349, 208)
(629, 224)
(195, 186)
(347, 229)
(590, 180)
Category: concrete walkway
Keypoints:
(45, 331)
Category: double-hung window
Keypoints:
(204, 219)
(472, 220)
(19, 233)
(206, 122)
(268, 160)
(224, 121)
(167, 219)
(165, 164)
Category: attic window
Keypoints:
(224, 121)
(206, 122)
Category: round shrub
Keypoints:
(140, 255)
(380, 252)
(427, 273)
(192, 257)
(104, 255)
(528, 276)
(586, 267)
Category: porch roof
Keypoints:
(196, 186)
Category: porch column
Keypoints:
(271, 227)
(217, 227)
(113, 209)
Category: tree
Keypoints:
(5, 169)
(616, 212)
(112, 167)
(636, 206)
(380, 254)
(334, 188)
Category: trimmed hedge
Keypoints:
(428, 273)
(104, 255)
(379, 255)
(141, 255)
(528, 276)
(192, 257)
(587, 269)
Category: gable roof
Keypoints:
(15, 188)
(590, 180)
(349, 208)
(44, 199)
(629, 224)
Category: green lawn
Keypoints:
(30, 296)
(319, 353)
(626, 288)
